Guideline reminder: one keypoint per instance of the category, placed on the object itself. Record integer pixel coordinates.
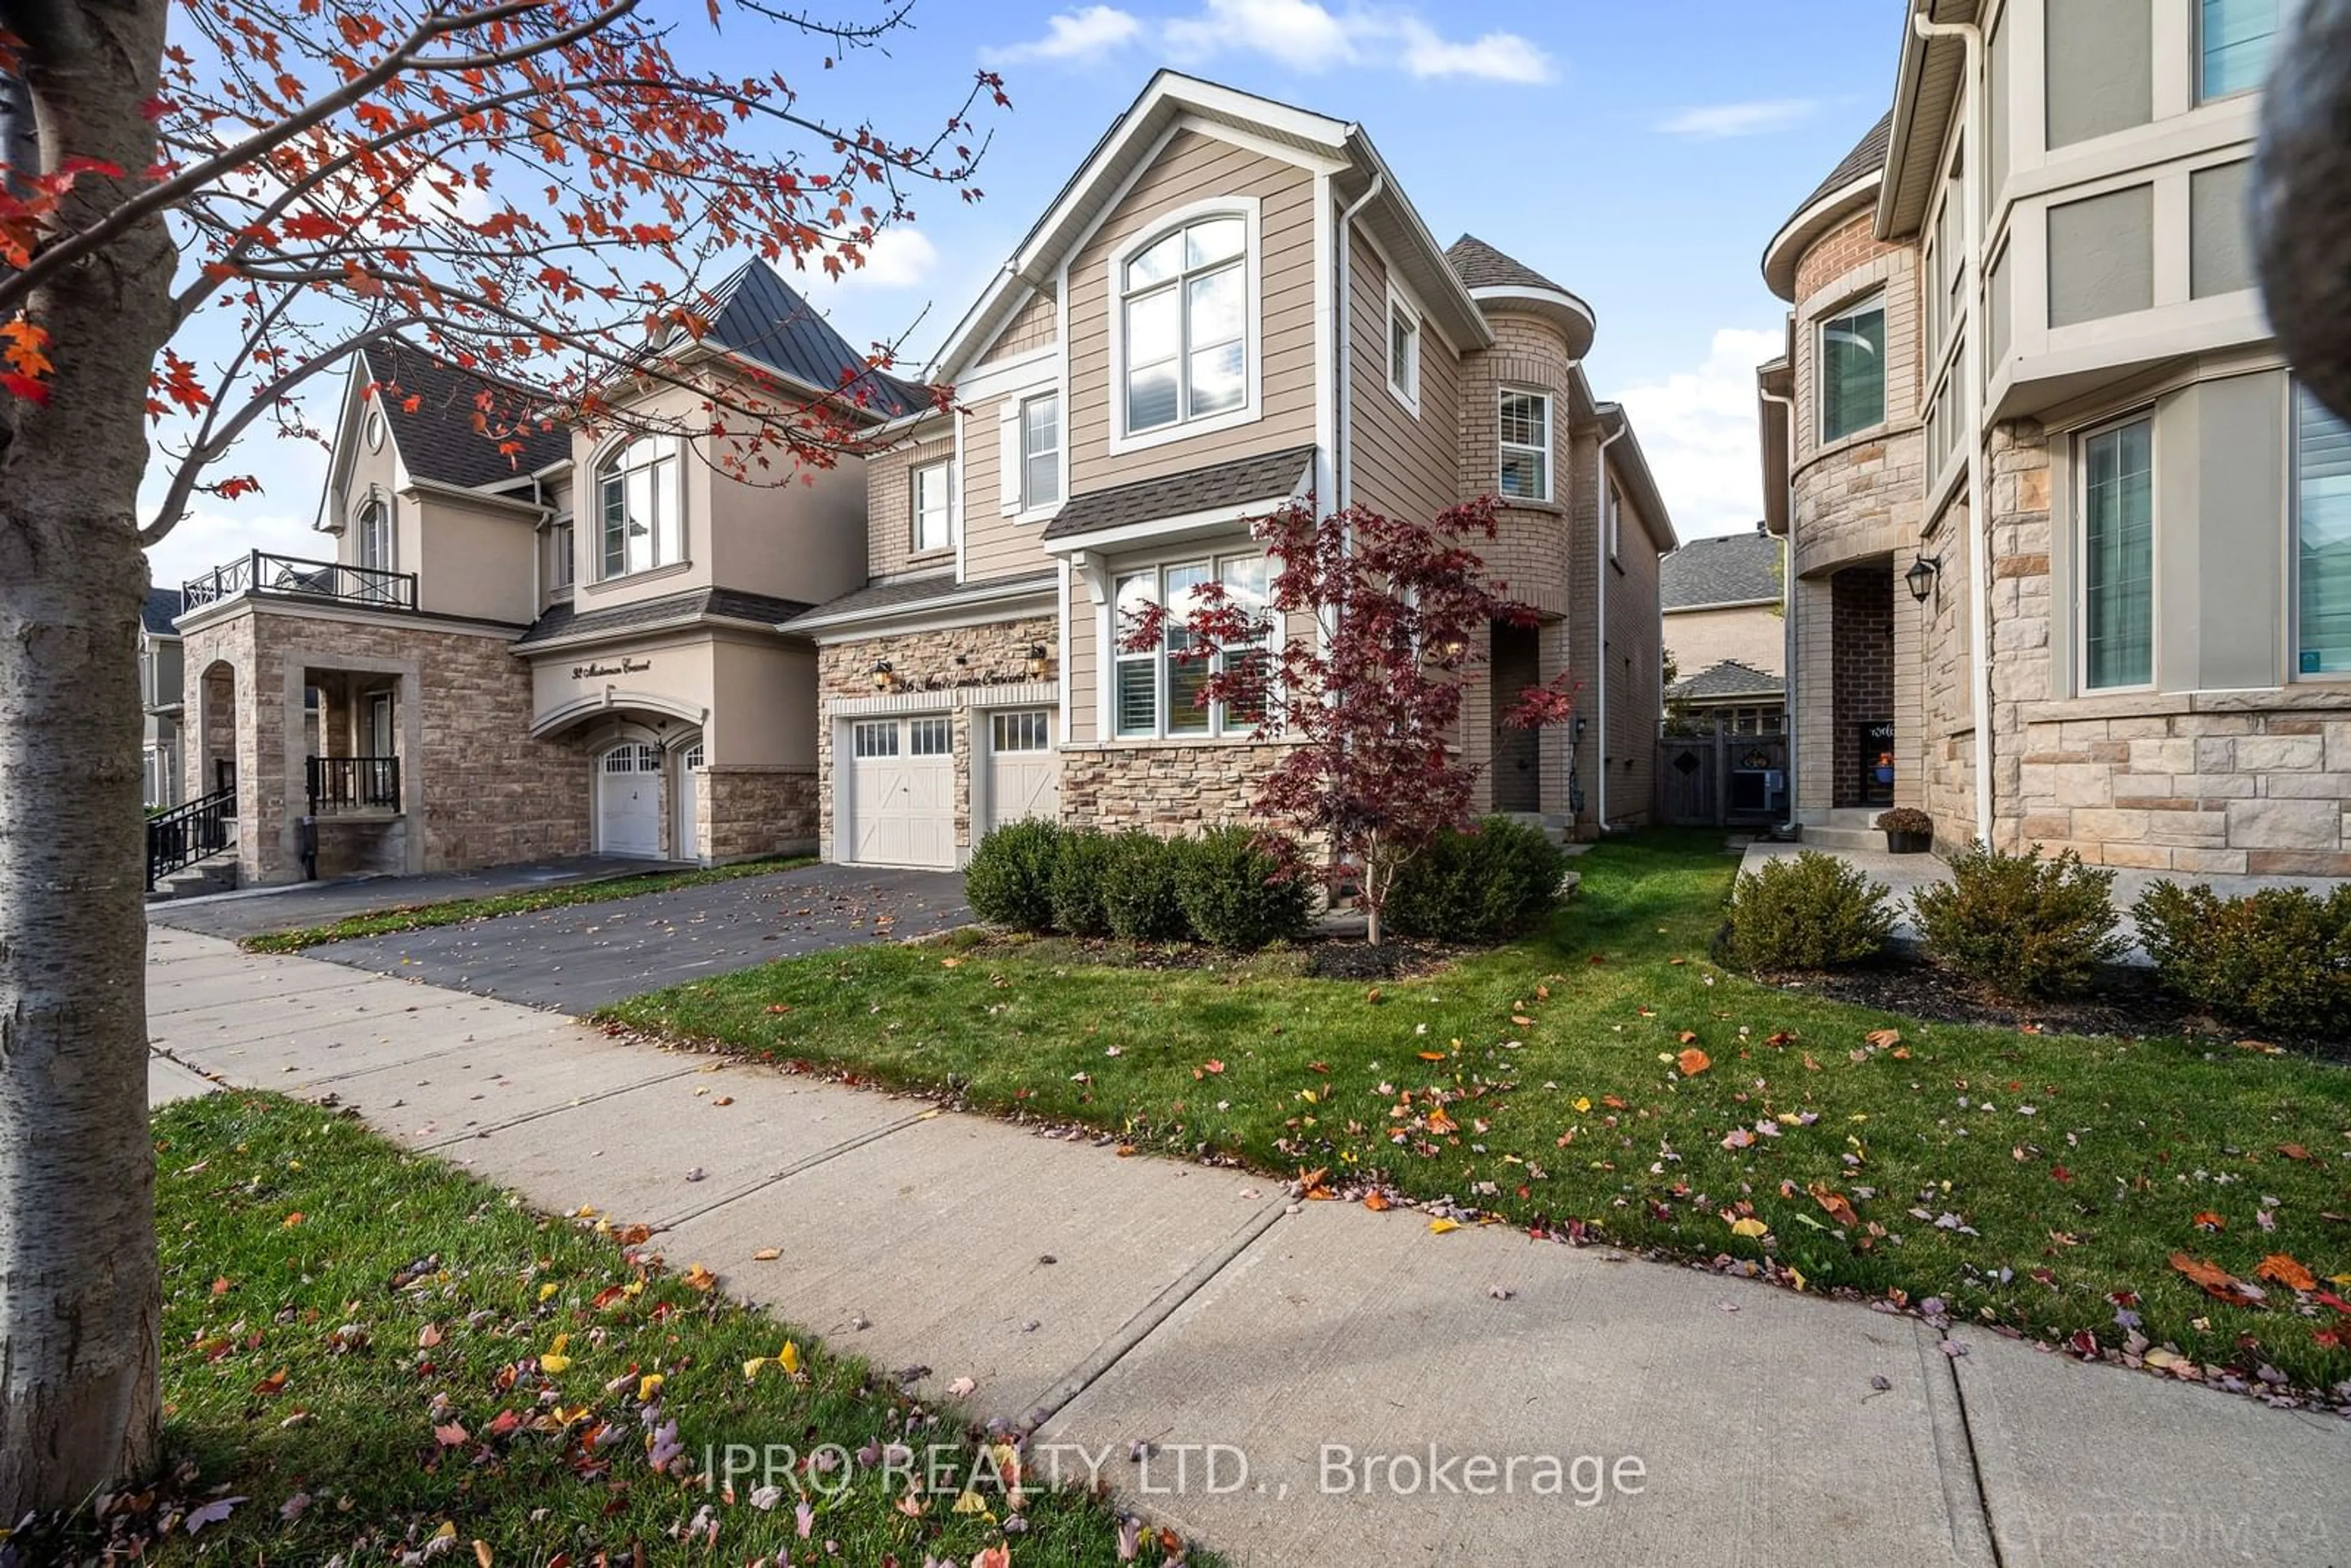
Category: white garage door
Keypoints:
(901, 791)
(1024, 775)
(628, 801)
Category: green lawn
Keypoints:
(2039, 1181)
(458, 910)
(369, 1349)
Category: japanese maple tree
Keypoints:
(207, 203)
(1372, 701)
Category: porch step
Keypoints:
(216, 875)
(1847, 828)
(1555, 827)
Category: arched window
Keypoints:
(638, 507)
(1184, 303)
(377, 550)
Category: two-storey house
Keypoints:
(1725, 636)
(1230, 306)
(2070, 551)
(570, 648)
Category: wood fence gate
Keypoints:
(1714, 779)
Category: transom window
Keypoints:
(1030, 729)
(2322, 504)
(2233, 39)
(1158, 691)
(1185, 304)
(638, 496)
(931, 736)
(875, 738)
(1853, 369)
(633, 759)
(2118, 556)
(1404, 352)
(930, 502)
(690, 758)
(1526, 447)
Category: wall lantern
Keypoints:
(884, 677)
(1922, 576)
(1036, 663)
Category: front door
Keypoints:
(628, 801)
(689, 841)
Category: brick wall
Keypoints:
(1861, 617)
(890, 509)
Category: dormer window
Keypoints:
(638, 507)
(1184, 311)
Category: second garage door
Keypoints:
(901, 793)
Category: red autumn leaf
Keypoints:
(1839, 1207)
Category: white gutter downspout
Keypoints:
(1600, 618)
(1343, 388)
(1971, 367)
(1788, 605)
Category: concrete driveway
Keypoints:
(577, 959)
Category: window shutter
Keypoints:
(1009, 465)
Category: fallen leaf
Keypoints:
(1693, 1061)
(274, 1385)
(211, 1513)
(1376, 1202)
(1686, 1037)
(2208, 1220)
(450, 1434)
(2286, 1270)
(700, 1278)
(1439, 1227)
(766, 1254)
(1883, 1037)
(1749, 1226)
(2215, 1280)
(962, 1388)
(1835, 1203)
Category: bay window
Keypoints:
(1155, 692)
(1183, 308)
(638, 502)
(2321, 500)
(2118, 556)
(1525, 436)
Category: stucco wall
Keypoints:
(1700, 639)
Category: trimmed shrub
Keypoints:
(1806, 911)
(2280, 959)
(1236, 896)
(1481, 887)
(1076, 884)
(1141, 900)
(1009, 879)
(2022, 924)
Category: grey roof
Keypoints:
(565, 620)
(1723, 682)
(933, 591)
(1266, 476)
(1481, 266)
(756, 314)
(438, 441)
(1735, 568)
(162, 607)
(1868, 157)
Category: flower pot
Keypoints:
(1908, 843)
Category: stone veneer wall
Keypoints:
(1170, 788)
(743, 812)
(994, 655)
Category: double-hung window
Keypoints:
(1157, 690)
(2118, 556)
(1853, 369)
(377, 550)
(1040, 450)
(2233, 39)
(929, 486)
(2321, 510)
(562, 565)
(1184, 325)
(637, 498)
(1404, 352)
(1525, 436)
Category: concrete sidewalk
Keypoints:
(1333, 1351)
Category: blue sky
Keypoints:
(1641, 155)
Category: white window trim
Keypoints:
(1012, 438)
(944, 469)
(1874, 297)
(2197, 96)
(1398, 306)
(1550, 447)
(604, 455)
(2079, 455)
(1612, 501)
(1217, 733)
(1252, 406)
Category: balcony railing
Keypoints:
(347, 784)
(269, 573)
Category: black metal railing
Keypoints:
(187, 834)
(269, 573)
(353, 784)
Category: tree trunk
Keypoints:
(80, 1299)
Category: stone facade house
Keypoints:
(1230, 306)
(2070, 549)
(1724, 632)
(568, 649)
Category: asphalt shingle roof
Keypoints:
(1481, 266)
(568, 620)
(938, 588)
(1737, 568)
(1723, 681)
(438, 441)
(754, 313)
(161, 607)
(1267, 477)
(1868, 156)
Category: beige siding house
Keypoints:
(2070, 549)
(1231, 306)
(1725, 632)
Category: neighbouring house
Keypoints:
(160, 687)
(2070, 548)
(1231, 304)
(567, 650)
(1724, 632)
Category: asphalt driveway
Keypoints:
(578, 958)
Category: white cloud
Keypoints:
(204, 539)
(1071, 36)
(1699, 430)
(1304, 35)
(1718, 121)
(899, 257)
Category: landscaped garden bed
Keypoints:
(2169, 1201)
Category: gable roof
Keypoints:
(1725, 681)
(437, 440)
(162, 607)
(754, 315)
(1849, 189)
(1735, 568)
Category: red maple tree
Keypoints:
(205, 205)
(1370, 703)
